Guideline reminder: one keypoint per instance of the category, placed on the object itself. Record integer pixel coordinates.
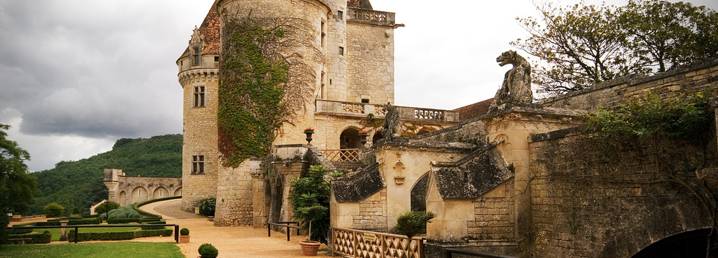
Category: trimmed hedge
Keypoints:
(154, 232)
(35, 237)
(48, 223)
(153, 224)
(19, 229)
(92, 236)
(84, 221)
(122, 220)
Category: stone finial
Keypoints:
(516, 88)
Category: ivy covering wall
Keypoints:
(261, 84)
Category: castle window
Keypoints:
(365, 100)
(196, 56)
(324, 33)
(321, 93)
(341, 51)
(216, 58)
(197, 164)
(340, 15)
(199, 96)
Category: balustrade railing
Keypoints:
(342, 155)
(368, 244)
(355, 109)
(350, 108)
(372, 16)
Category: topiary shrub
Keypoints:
(412, 223)
(207, 207)
(123, 214)
(208, 251)
(106, 207)
(184, 232)
(54, 210)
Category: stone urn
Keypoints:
(310, 248)
(309, 132)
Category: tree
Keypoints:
(54, 209)
(310, 199)
(16, 185)
(580, 46)
(664, 35)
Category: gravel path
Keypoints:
(232, 242)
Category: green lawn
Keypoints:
(92, 250)
(56, 231)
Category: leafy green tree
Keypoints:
(16, 185)
(54, 210)
(310, 198)
(664, 35)
(577, 47)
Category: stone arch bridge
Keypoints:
(127, 189)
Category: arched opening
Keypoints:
(160, 192)
(139, 194)
(418, 193)
(685, 245)
(178, 192)
(350, 139)
(349, 143)
(123, 198)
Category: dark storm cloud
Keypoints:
(93, 68)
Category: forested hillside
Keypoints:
(78, 184)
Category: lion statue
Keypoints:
(516, 89)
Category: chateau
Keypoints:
(507, 176)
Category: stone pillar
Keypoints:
(260, 206)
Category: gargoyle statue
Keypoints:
(516, 89)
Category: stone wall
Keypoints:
(592, 199)
(372, 213)
(370, 55)
(680, 81)
(494, 211)
(235, 194)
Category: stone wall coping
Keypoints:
(633, 80)
(429, 145)
(558, 134)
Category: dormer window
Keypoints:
(196, 56)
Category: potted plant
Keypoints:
(184, 236)
(309, 132)
(310, 198)
(207, 251)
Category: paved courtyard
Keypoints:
(231, 241)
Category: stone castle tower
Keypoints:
(350, 50)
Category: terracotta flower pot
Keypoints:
(310, 248)
(184, 239)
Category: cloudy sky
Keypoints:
(76, 75)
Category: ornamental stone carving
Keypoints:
(516, 88)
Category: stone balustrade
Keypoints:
(372, 17)
(354, 109)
